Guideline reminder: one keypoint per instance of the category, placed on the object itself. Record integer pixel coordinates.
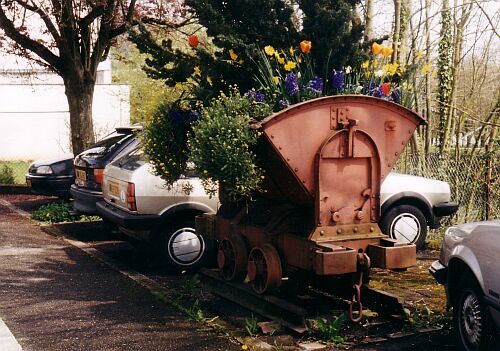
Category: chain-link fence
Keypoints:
(12, 172)
(473, 179)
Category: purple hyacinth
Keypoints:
(338, 80)
(176, 116)
(377, 92)
(291, 84)
(396, 95)
(316, 85)
(283, 103)
(256, 96)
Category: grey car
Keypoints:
(469, 268)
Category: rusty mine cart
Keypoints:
(324, 161)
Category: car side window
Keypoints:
(132, 160)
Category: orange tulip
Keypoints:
(386, 88)
(387, 51)
(376, 48)
(193, 40)
(305, 46)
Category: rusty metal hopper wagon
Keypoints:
(324, 160)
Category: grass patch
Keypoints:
(12, 172)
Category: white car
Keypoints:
(410, 204)
(144, 208)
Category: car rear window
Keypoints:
(131, 161)
(105, 146)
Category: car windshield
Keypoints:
(132, 160)
(105, 146)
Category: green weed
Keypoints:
(251, 325)
(330, 330)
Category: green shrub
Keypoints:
(164, 140)
(221, 144)
(7, 175)
(57, 212)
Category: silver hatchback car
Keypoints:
(469, 268)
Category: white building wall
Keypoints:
(34, 118)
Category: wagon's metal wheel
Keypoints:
(232, 258)
(264, 268)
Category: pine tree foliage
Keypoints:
(239, 29)
(336, 31)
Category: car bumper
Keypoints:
(85, 200)
(442, 209)
(53, 185)
(125, 219)
(439, 271)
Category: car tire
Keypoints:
(182, 249)
(471, 320)
(405, 223)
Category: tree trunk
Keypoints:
(79, 89)
(428, 110)
(397, 28)
(368, 20)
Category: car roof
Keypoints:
(128, 129)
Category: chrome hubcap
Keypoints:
(405, 228)
(185, 247)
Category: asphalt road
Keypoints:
(55, 297)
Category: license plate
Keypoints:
(81, 174)
(114, 189)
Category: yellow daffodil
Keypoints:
(426, 68)
(244, 347)
(281, 60)
(233, 55)
(276, 79)
(292, 51)
(179, 86)
(197, 71)
(376, 48)
(269, 50)
(390, 68)
(420, 53)
(434, 74)
(365, 64)
(209, 80)
(289, 66)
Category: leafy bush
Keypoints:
(164, 140)
(7, 175)
(221, 142)
(56, 212)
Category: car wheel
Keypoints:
(182, 248)
(470, 318)
(405, 223)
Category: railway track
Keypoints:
(294, 310)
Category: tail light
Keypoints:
(131, 197)
(98, 173)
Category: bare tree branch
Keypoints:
(45, 18)
(493, 26)
(28, 43)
